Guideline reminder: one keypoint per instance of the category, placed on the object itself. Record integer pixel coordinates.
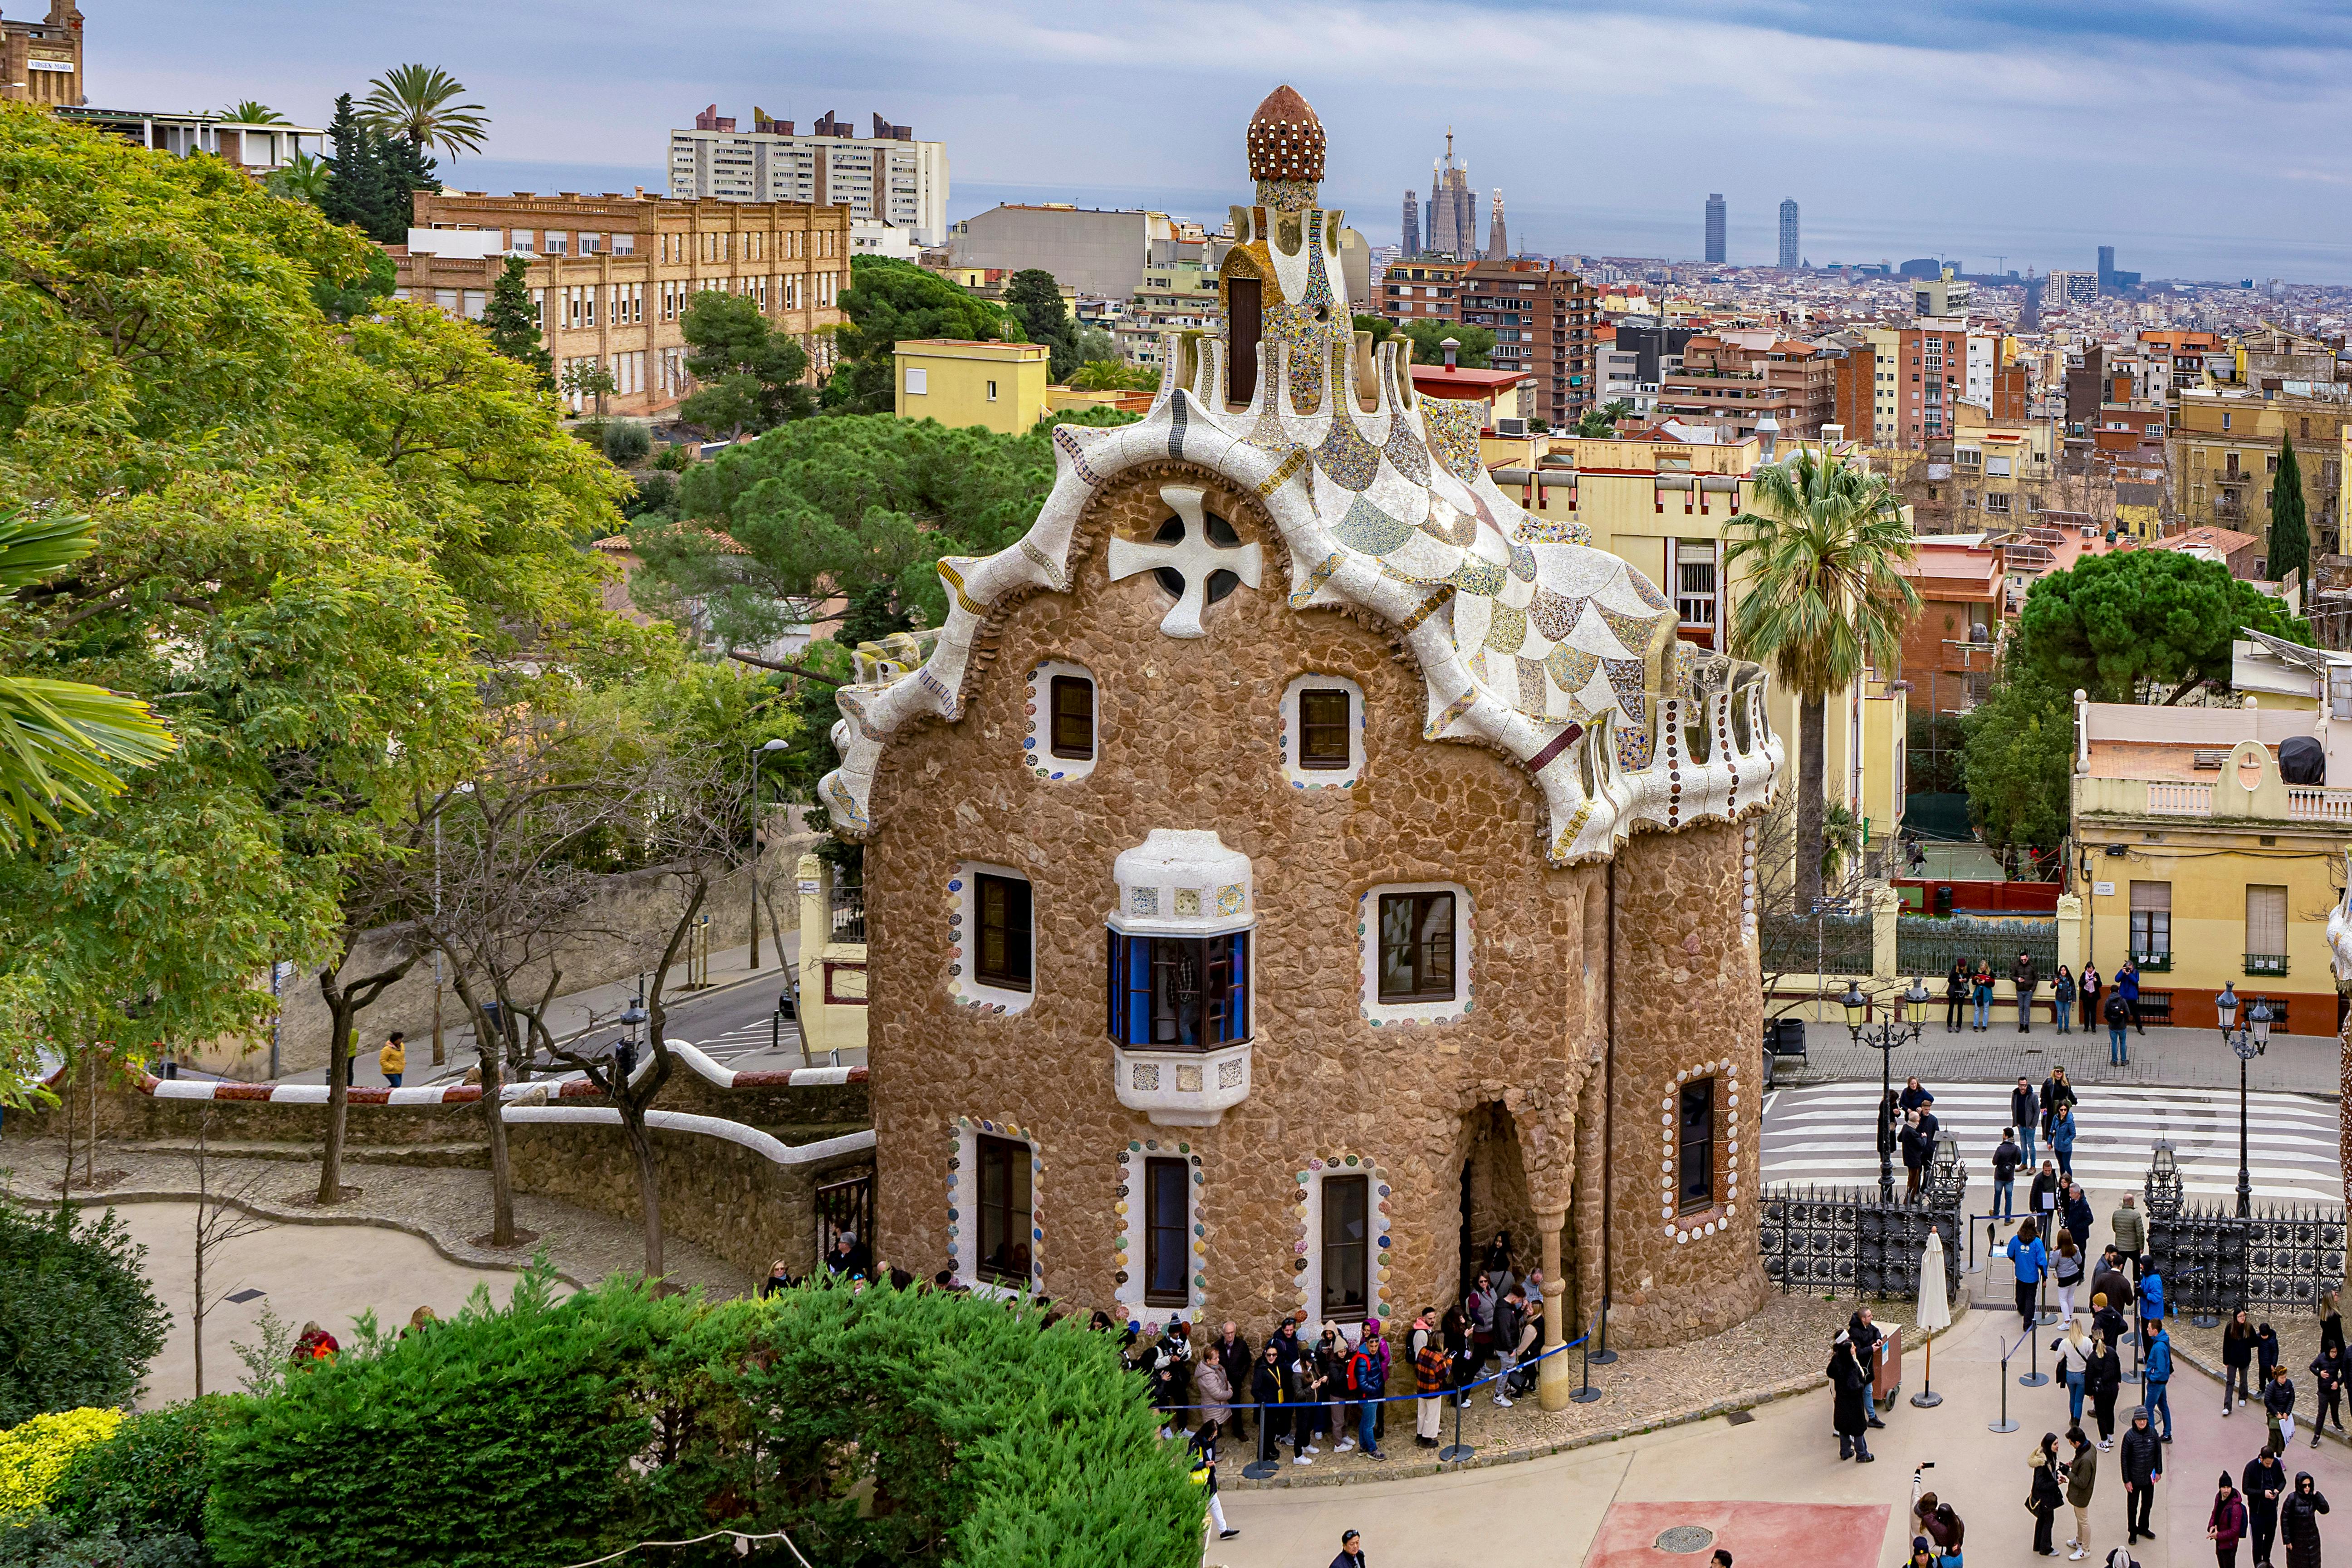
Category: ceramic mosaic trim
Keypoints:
(1317, 578)
(1126, 1246)
(1453, 429)
(1284, 472)
(1414, 1015)
(1427, 609)
(1378, 1265)
(963, 990)
(963, 1228)
(1037, 738)
(1686, 1228)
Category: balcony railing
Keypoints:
(848, 912)
(2169, 798)
(2152, 963)
(2306, 805)
(2265, 964)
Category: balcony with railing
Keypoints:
(2152, 963)
(848, 908)
(2265, 964)
(2168, 797)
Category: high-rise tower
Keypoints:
(1498, 239)
(1409, 245)
(1715, 227)
(1790, 257)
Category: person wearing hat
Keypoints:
(2262, 1487)
(1847, 1376)
(2299, 1522)
(2226, 1525)
(2142, 1462)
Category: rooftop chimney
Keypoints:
(1767, 430)
(1451, 346)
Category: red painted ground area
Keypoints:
(1819, 1535)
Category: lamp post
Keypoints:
(757, 753)
(1884, 1039)
(2247, 1041)
(624, 1049)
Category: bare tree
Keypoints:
(222, 1217)
(373, 891)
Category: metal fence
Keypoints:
(2281, 1259)
(848, 911)
(1836, 1241)
(1926, 945)
(1822, 944)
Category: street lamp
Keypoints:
(2247, 1041)
(757, 753)
(624, 1049)
(1884, 1039)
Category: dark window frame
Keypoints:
(1423, 949)
(1315, 734)
(1145, 1009)
(1164, 1178)
(1080, 750)
(1346, 1262)
(1695, 1147)
(1013, 926)
(1007, 1161)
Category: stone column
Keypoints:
(2070, 932)
(816, 878)
(1553, 1384)
(1885, 908)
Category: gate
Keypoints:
(2279, 1259)
(1834, 1241)
(845, 1205)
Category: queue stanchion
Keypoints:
(1587, 1393)
(1268, 1464)
(1604, 1356)
(2005, 1424)
(2035, 1377)
(1456, 1451)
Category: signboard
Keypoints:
(2104, 889)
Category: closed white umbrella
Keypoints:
(1935, 1312)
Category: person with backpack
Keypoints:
(2127, 987)
(2226, 1525)
(2006, 1158)
(2117, 1014)
(2028, 1259)
(1432, 1368)
(1204, 1473)
(1367, 1381)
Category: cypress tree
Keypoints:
(405, 171)
(513, 324)
(2290, 547)
(355, 193)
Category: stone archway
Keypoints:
(1496, 1197)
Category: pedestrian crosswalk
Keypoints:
(751, 1040)
(1825, 1134)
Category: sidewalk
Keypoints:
(597, 1007)
(2169, 1057)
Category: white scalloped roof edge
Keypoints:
(1583, 826)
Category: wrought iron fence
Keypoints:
(1819, 944)
(2281, 1259)
(848, 911)
(1926, 944)
(1833, 1241)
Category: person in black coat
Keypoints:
(2237, 1360)
(2103, 1378)
(2263, 1486)
(1917, 1147)
(1865, 1335)
(1232, 1353)
(2299, 1522)
(2046, 1497)
(2267, 1354)
(1850, 1414)
(2142, 1463)
(2327, 1375)
(2076, 1210)
(1956, 997)
(1270, 1389)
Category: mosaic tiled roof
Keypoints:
(1529, 640)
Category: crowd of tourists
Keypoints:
(1968, 999)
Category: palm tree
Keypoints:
(1822, 600)
(301, 178)
(58, 737)
(417, 104)
(252, 111)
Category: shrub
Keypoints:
(34, 1454)
(149, 1479)
(78, 1323)
(675, 457)
(656, 492)
(39, 1542)
(627, 444)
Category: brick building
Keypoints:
(1542, 319)
(1423, 290)
(1731, 380)
(40, 62)
(612, 275)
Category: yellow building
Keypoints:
(2223, 450)
(1668, 509)
(2199, 860)
(999, 386)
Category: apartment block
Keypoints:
(611, 275)
(1543, 322)
(887, 177)
(2223, 453)
(1924, 382)
(1423, 289)
(1732, 380)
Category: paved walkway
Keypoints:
(2307, 1064)
(1773, 1491)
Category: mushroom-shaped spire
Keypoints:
(1286, 138)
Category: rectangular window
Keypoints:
(919, 381)
(2265, 930)
(1696, 1144)
(1347, 1238)
(1694, 582)
(1417, 947)
(1323, 725)
(1167, 1239)
(991, 392)
(1004, 958)
(1188, 993)
(1005, 1227)
(2151, 922)
(1073, 717)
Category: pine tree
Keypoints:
(2290, 534)
(406, 170)
(513, 324)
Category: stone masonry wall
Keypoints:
(1188, 737)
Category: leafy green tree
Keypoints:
(1820, 543)
(1094, 344)
(1032, 295)
(627, 444)
(2016, 760)
(588, 378)
(303, 178)
(1599, 424)
(341, 302)
(1378, 326)
(1429, 342)
(78, 1323)
(513, 323)
(147, 1483)
(60, 740)
(753, 377)
(888, 299)
(2140, 625)
(417, 104)
(1114, 375)
(2290, 542)
(252, 111)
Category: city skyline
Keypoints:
(1807, 90)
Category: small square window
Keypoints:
(1073, 717)
(1417, 947)
(1004, 957)
(1324, 720)
(919, 381)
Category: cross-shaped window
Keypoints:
(1195, 555)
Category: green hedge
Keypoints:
(879, 1427)
(78, 1321)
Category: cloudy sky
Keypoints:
(2202, 139)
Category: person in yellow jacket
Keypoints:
(393, 1060)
